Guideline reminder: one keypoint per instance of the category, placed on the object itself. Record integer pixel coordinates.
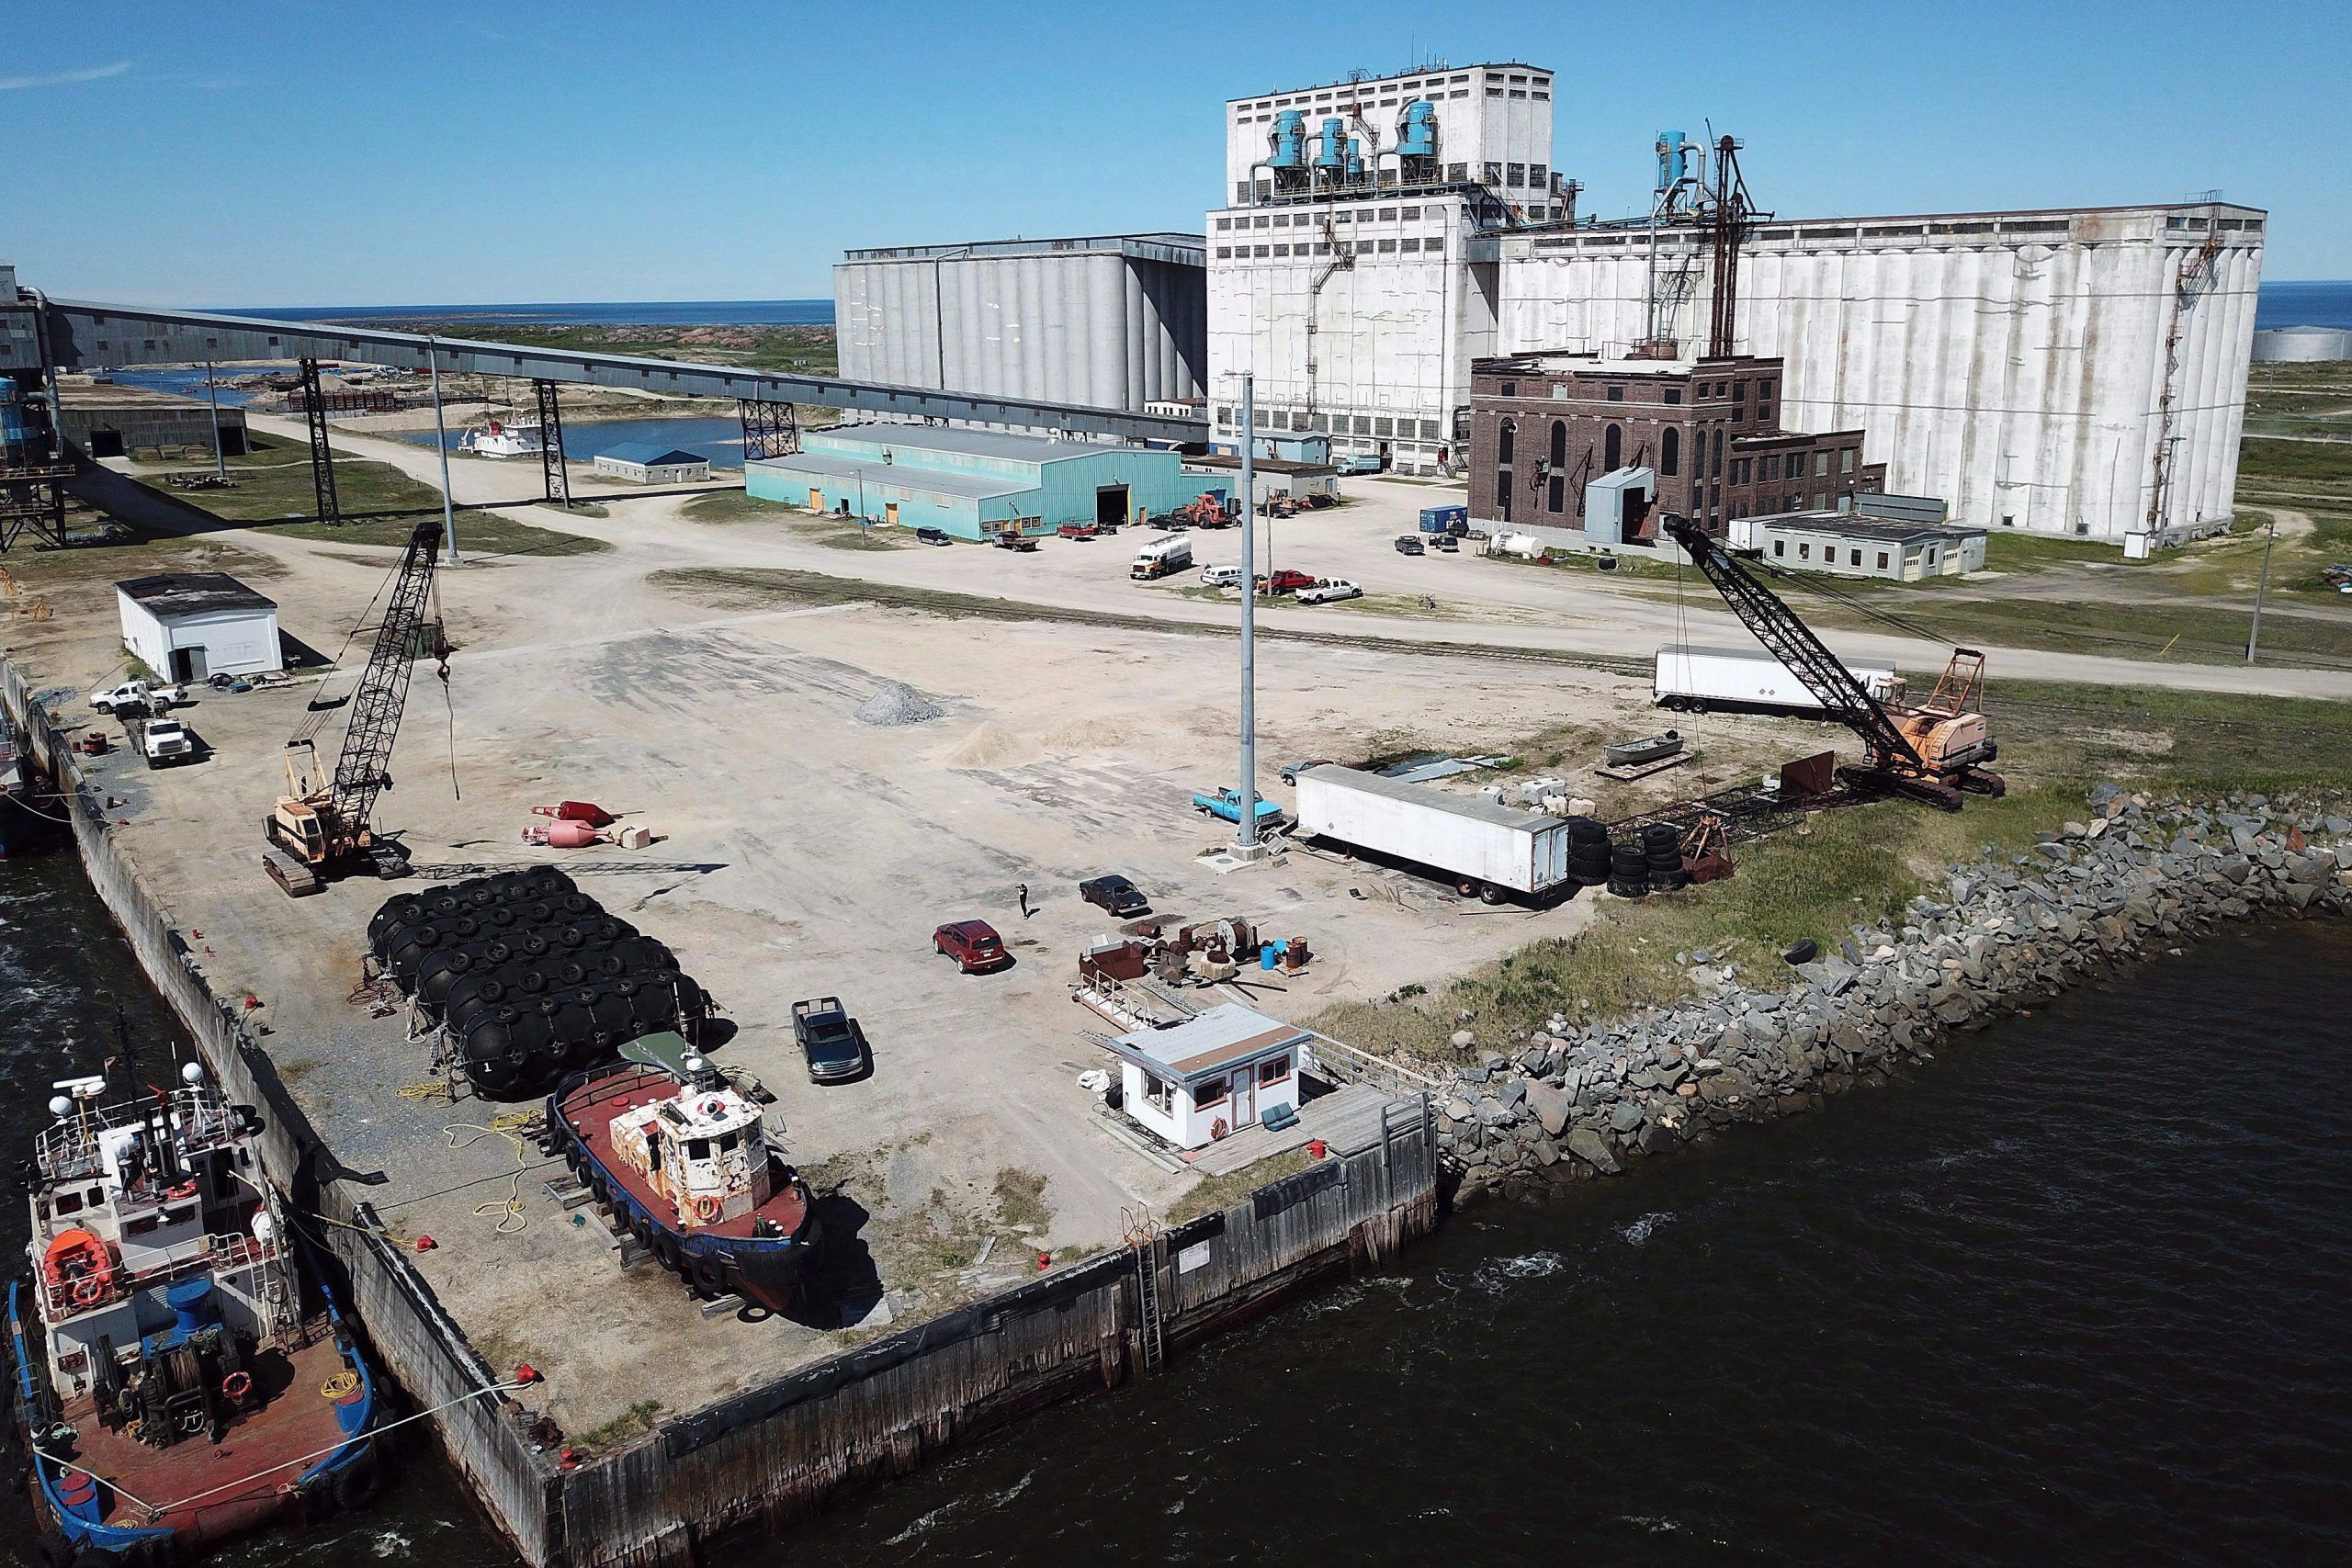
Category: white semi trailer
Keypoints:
(1482, 848)
(1690, 679)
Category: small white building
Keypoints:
(1848, 545)
(189, 626)
(1212, 1075)
(649, 464)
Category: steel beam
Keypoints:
(555, 479)
(315, 410)
(87, 335)
(770, 429)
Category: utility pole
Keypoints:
(212, 384)
(441, 441)
(1245, 828)
(2262, 586)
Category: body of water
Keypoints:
(640, 313)
(2074, 1294)
(720, 440)
(2303, 305)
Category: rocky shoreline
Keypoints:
(1566, 1103)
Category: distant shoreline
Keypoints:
(581, 313)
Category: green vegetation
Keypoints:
(1216, 1192)
(1021, 1200)
(801, 348)
(635, 1421)
(738, 506)
(1857, 864)
(818, 528)
(381, 505)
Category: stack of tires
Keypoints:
(1628, 870)
(1662, 857)
(1588, 854)
(530, 977)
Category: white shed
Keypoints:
(188, 626)
(648, 463)
(1214, 1074)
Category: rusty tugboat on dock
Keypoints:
(173, 1390)
(684, 1164)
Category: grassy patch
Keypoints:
(482, 535)
(635, 1421)
(2008, 550)
(1854, 865)
(739, 506)
(1218, 1192)
(1020, 1199)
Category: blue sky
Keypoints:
(412, 153)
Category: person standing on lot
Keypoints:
(1023, 891)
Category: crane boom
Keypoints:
(360, 772)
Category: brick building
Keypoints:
(1545, 426)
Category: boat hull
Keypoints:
(307, 1453)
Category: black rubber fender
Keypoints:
(357, 1483)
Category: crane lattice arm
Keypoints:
(360, 772)
(1793, 644)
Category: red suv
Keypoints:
(973, 944)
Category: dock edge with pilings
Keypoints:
(771, 1453)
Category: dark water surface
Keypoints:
(2077, 1293)
(611, 312)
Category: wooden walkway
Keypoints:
(1348, 1119)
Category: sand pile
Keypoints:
(898, 703)
(987, 747)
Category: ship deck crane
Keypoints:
(323, 824)
(1933, 751)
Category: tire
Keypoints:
(357, 1483)
(666, 1252)
(53, 1550)
(1629, 889)
(708, 1273)
(1466, 888)
(1489, 893)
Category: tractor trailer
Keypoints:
(1730, 680)
(1479, 846)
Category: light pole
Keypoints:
(441, 440)
(2262, 586)
(1245, 827)
(212, 384)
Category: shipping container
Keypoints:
(1690, 679)
(1479, 846)
(1454, 520)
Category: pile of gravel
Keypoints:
(898, 703)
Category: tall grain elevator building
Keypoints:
(1111, 321)
(2077, 371)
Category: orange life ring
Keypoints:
(89, 1290)
(706, 1208)
(1217, 1129)
(236, 1385)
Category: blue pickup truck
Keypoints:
(1227, 803)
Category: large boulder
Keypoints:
(1593, 1149)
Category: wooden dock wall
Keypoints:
(771, 1453)
(390, 1302)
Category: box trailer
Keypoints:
(1481, 847)
(1690, 679)
(1163, 555)
(1454, 520)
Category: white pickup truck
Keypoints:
(1328, 591)
(166, 741)
(138, 697)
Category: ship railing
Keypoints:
(197, 1116)
(219, 1253)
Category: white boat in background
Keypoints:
(502, 438)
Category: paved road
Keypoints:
(1503, 606)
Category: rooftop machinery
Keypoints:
(1339, 162)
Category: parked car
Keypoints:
(1408, 545)
(166, 741)
(828, 1038)
(933, 535)
(1227, 803)
(138, 697)
(1221, 576)
(1328, 591)
(1010, 540)
(973, 944)
(1290, 770)
(1114, 895)
(1286, 582)
(1445, 544)
(1079, 531)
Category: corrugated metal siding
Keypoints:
(1091, 327)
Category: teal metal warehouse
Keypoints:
(973, 483)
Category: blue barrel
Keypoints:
(1269, 953)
